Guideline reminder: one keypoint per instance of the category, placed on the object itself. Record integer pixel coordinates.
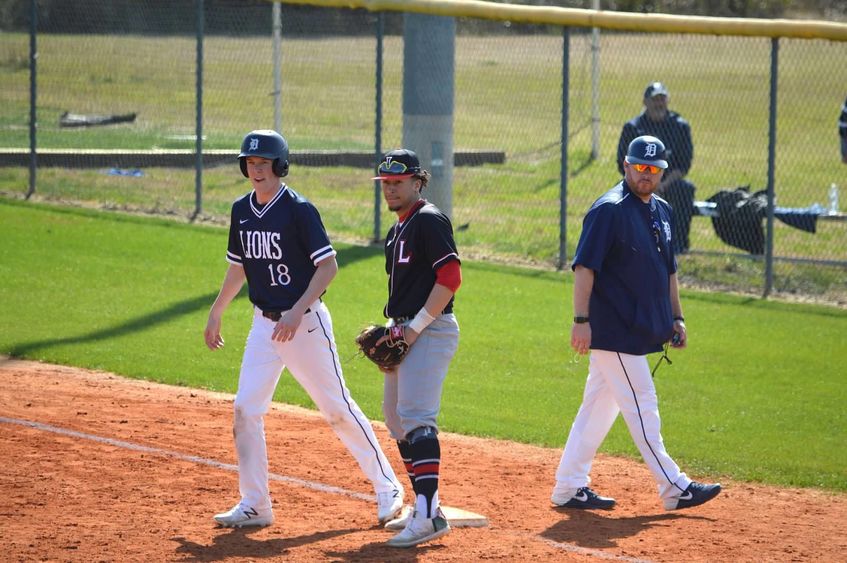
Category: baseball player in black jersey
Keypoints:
(424, 273)
(277, 243)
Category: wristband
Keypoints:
(421, 320)
(680, 319)
(580, 320)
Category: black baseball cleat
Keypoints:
(695, 495)
(585, 498)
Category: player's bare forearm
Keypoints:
(438, 298)
(233, 281)
(581, 332)
(676, 303)
(582, 285)
(290, 321)
(324, 274)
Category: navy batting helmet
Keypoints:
(647, 149)
(268, 144)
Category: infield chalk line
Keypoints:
(185, 457)
(590, 552)
(282, 478)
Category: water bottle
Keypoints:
(833, 199)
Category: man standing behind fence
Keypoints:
(657, 120)
(842, 131)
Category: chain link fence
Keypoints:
(116, 110)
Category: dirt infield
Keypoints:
(101, 468)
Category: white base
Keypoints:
(460, 518)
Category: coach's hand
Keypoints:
(581, 337)
(680, 335)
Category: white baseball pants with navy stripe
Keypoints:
(618, 383)
(312, 359)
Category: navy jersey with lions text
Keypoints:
(279, 244)
(414, 250)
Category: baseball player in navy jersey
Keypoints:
(277, 243)
(424, 273)
(626, 305)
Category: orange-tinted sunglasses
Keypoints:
(646, 167)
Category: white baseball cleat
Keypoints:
(400, 520)
(389, 504)
(420, 530)
(241, 515)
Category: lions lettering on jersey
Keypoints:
(279, 244)
(260, 244)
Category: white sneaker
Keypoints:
(389, 504)
(419, 530)
(241, 515)
(400, 520)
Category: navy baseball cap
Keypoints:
(397, 165)
(655, 89)
(647, 149)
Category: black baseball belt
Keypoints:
(276, 315)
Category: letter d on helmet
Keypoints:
(265, 143)
(647, 149)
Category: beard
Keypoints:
(644, 188)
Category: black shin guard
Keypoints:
(406, 455)
(425, 453)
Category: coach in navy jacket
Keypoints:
(626, 305)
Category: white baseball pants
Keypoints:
(618, 383)
(312, 358)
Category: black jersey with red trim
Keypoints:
(279, 244)
(414, 250)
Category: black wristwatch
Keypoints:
(580, 320)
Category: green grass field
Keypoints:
(507, 97)
(757, 397)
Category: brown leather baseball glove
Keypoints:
(384, 346)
